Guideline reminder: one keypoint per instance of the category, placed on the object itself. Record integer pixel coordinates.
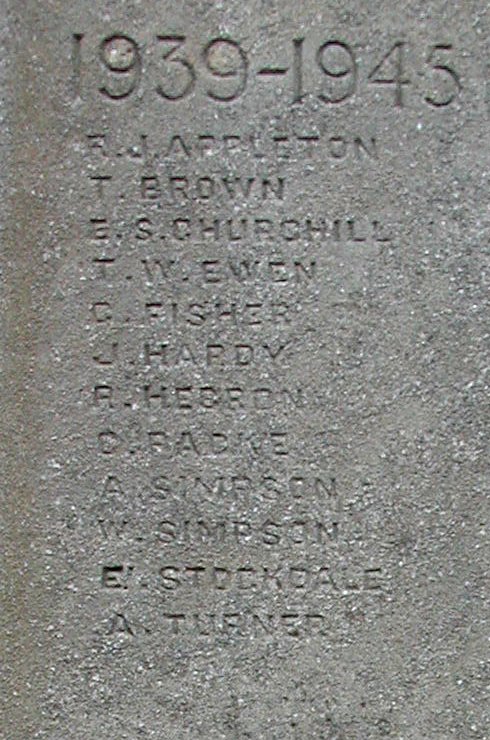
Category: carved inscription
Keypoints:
(194, 370)
(218, 385)
(224, 70)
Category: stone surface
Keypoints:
(243, 400)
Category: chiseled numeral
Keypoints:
(180, 75)
(336, 61)
(448, 78)
(390, 71)
(121, 57)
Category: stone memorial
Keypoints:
(244, 403)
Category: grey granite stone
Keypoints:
(244, 402)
